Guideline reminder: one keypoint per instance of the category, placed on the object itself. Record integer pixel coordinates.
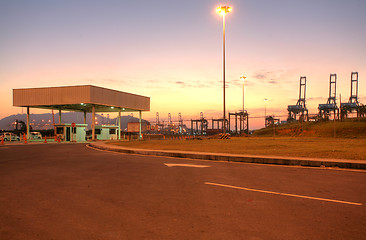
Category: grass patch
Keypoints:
(338, 148)
(349, 128)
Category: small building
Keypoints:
(106, 132)
(66, 132)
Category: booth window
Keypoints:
(112, 131)
(60, 130)
(97, 131)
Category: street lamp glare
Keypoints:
(223, 9)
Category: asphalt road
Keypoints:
(69, 191)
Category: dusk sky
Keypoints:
(171, 51)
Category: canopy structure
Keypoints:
(85, 98)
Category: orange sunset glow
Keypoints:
(172, 52)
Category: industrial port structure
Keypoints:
(353, 105)
(237, 123)
(328, 110)
(201, 126)
(299, 111)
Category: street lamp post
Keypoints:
(242, 117)
(242, 77)
(223, 10)
(265, 111)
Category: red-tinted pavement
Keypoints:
(69, 191)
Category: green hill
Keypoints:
(349, 128)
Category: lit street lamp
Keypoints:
(223, 10)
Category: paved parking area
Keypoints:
(69, 191)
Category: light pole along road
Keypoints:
(223, 10)
(265, 111)
(242, 77)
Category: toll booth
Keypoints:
(71, 132)
(106, 132)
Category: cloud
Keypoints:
(182, 84)
(152, 81)
(201, 85)
(260, 76)
(235, 82)
(273, 76)
(114, 81)
(264, 75)
(362, 99)
(106, 81)
(194, 84)
(315, 98)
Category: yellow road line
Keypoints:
(284, 194)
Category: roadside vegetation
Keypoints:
(348, 128)
(315, 140)
(343, 148)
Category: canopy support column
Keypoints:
(119, 124)
(27, 123)
(140, 135)
(59, 116)
(93, 123)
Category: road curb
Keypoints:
(308, 162)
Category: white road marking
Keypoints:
(284, 194)
(185, 165)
